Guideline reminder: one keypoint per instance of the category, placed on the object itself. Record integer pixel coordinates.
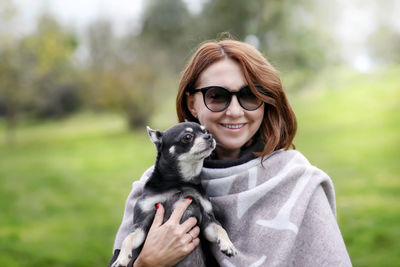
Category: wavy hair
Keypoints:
(279, 124)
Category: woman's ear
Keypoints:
(190, 104)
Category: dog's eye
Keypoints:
(187, 138)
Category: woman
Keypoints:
(277, 208)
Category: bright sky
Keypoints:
(80, 12)
(358, 19)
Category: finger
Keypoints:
(187, 238)
(191, 246)
(159, 217)
(187, 225)
(179, 210)
(194, 232)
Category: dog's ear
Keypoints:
(155, 137)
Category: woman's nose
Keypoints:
(234, 109)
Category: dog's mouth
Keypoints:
(207, 150)
(204, 151)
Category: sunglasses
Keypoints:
(218, 98)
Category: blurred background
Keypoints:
(80, 80)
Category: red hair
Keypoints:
(279, 124)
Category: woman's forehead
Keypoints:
(225, 72)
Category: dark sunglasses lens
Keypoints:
(217, 99)
(248, 100)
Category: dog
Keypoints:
(181, 151)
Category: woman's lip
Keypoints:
(233, 126)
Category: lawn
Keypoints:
(64, 183)
(349, 126)
(63, 186)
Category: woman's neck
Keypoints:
(223, 154)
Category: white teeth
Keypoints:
(233, 126)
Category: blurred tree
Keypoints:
(384, 45)
(384, 42)
(286, 30)
(233, 16)
(123, 73)
(50, 81)
(102, 56)
(9, 73)
(164, 37)
(8, 12)
(158, 54)
(118, 78)
(9, 91)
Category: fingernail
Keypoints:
(157, 206)
(190, 198)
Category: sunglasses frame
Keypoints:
(231, 93)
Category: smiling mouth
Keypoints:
(233, 126)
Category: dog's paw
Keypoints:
(227, 248)
(118, 264)
(121, 261)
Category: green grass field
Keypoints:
(351, 129)
(63, 187)
(64, 183)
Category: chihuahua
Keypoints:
(181, 151)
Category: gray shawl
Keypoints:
(280, 212)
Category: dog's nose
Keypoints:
(208, 137)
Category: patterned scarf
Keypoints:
(278, 213)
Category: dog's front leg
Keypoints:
(132, 241)
(214, 232)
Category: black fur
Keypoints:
(176, 175)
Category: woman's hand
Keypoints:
(166, 244)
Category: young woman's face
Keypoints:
(234, 126)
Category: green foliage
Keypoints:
(37, 72)
(9, 72)
(50, 48)
(286, 30)
(385, 45)
(118, 77)
(165, 22)
(9, 91)
(49, 79)
(238, 16)
(40, 75)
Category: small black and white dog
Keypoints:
(176, 176)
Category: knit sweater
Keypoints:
(277, 212)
